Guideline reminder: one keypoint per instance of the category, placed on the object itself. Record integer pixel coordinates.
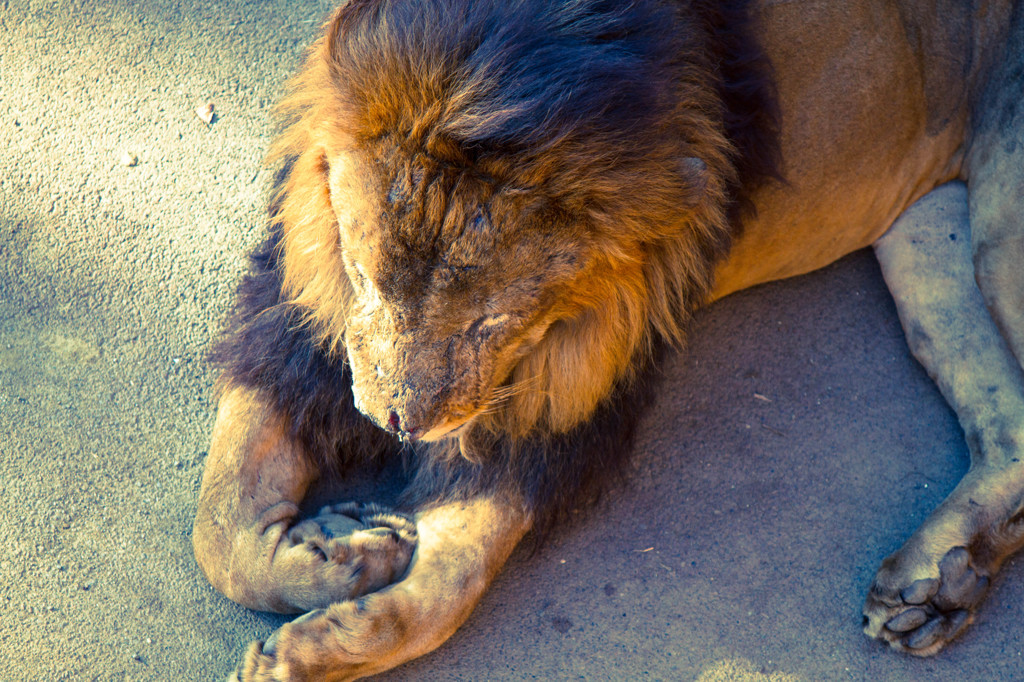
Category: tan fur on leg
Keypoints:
(462, 546)
(996, 178)
(244, 538)
(927, 591)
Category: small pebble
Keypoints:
(205, 113)
(128, 159)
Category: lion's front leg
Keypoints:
(927, 592)
(248, 538)
(462, 545)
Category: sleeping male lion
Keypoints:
(492, 214)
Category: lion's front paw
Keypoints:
(342, 642)
(363, 548)
(920, 616)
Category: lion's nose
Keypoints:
(406, 431)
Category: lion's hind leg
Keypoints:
(248, 537)
(995, 168)
(927, 592)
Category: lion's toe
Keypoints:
(924, 614)
(256, 666)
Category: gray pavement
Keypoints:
(794, 444)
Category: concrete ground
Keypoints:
(793, 445)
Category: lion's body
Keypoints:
(493, 215)
(876, 100)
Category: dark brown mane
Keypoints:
(571, 83)
(746, 86)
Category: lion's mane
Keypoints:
(596, 102)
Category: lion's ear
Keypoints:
(695, 175)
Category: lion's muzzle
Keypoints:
(411, 388)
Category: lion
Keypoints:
(494, 218)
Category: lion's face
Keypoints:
(454, 280)
(495, 236)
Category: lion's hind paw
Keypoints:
(924, 615)
(369, 543)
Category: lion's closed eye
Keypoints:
(488, 323)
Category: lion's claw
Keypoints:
(929, 612)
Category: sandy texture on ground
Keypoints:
(793, 446)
